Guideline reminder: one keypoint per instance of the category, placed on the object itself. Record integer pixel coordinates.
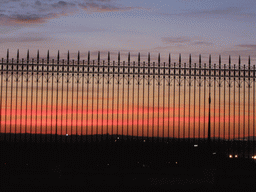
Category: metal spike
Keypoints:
(229, 60)
(210, 59)
(88, 57)
(129, 58)
(200, 58)
(7, 55)
(179, 58)
(18, 55)
(37, 56)
(149, 58)
(219, 60)
(249, 61)
(190, 59)
(169, 59)
(158, 58)
(28, 56)
(239, 61)
(58, 56)
(139, 58)
(48, 57)
(68, 56)
(78, 57)
(118, 57)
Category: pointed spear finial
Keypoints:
(37, 57)
(18, 56)
(229, 60)
(27, 55)
(7, 55)
(88, 57)
(249, 61)
(219, 60)
(148, 58)
(78, 57)
(179, 58)
(200, 59)
(239, 61)
(158, 58)
(169, 59)
(68, 56)
(58, 57)
(129, 58)
(190, 60)
(210, 59)
(48, 57)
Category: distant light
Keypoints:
(66, 134)
(117, 137)
(214, 153)
(176, 162)
(115, 140)
(195, 145)
(144, 140)
(230, 156)
(107, 164)
(254, 157)
(236, 156)
(143, 165)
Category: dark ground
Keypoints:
(123, 165)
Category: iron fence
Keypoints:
(86, 100)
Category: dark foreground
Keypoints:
(123, 166)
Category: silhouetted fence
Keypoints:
(85, 100)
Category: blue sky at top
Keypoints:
(177, 26)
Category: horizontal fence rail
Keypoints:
(74, 99)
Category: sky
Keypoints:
(225, 27)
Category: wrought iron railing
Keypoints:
(138, 99)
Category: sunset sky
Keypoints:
(178, 26)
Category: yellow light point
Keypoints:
(235, 156)
(230, 156)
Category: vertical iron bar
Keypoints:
(88, 81)
(159, 80)
(128, 92)
(92, 99)
(174, 76)
(11, 101)
(143, 113)
(123, 103)
(62, 98)
(154, 68)
(27, 97)
(6, 90)
(194, 137)
(2, 96)
(22, 67)
(98, 70)
(113, 98)
(82, 119)
(244, 118)
(118, 92)
(229, 104)
(239, 119)
(52, 70)
(249, 87)
(224, 128)
(184, 107)
(47, 81)
(57, 95)
(189, 96)
(108, 94)
(32, 74)
(138, 96)
(200, 74)
(163, 113)
(67, 97)
(169, 87)
(254, 110)
(219, 93)
(148, 92)
(214, 100)
(204, 96)
(77, 91)
(17, 80)
(72, 98)
(133, 97)
(103, 69)
(179, 84)
(234, 124)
